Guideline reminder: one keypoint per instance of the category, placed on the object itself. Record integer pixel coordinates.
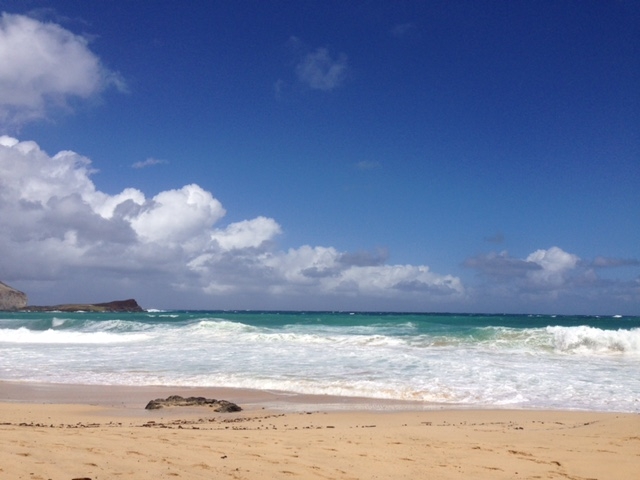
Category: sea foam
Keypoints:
(26, 336)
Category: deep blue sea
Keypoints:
(516, 361)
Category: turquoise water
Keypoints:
(576, 362)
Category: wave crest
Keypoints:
(590, 340)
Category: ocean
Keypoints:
(450, 360)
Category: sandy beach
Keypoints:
(75, 432)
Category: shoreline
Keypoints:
(52, 431)
(133, 398)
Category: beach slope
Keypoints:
(82, 441)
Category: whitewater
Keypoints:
(480, 361)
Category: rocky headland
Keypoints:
(12, 300)
(116, 306)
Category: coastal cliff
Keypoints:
(11, 299)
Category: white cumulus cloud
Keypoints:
(42, 66)
(555, 264)
(246, 234)
(176, 215)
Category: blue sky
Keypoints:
(430, 156)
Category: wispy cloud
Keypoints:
(320, 71)
(368, 165)
(495, 238)
(401, 30)
(607, 262)
(149, 162)
(278, 88)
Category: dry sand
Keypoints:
(105, 433)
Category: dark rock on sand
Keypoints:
(178, 401)
(11, 299)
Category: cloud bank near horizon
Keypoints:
(59, 227)
(58, 224)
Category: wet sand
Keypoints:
(83, 432)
